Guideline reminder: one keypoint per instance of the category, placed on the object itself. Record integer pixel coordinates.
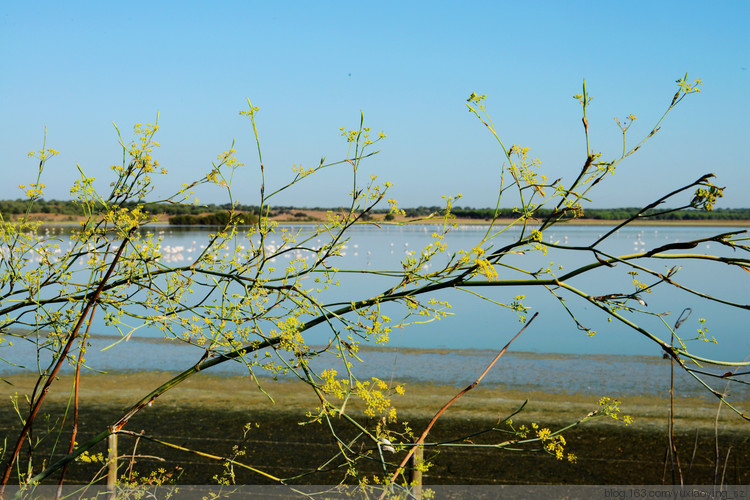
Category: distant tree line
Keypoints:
(220, 218)
(590, 213)
(19, 206)
(213, 214)
(15, 207)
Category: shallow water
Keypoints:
(602, 374)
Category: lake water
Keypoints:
(550, 353)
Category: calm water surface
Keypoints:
(551, 354)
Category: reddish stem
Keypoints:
(76, 384)
(63, 356)
(446, 405)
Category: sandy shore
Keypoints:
(208, 413)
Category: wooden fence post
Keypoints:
(112, 464)
(416, 472)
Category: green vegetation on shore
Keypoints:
(213, 214)
(595, 213)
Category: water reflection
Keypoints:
(478, 324)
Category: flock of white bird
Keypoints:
(177, 253)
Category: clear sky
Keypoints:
(76, 67)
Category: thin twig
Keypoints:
(692, 458)
(716, 431)
(724, 470)
(132, 457)
(674, 456)
(200, 454)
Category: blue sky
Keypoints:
(76, 67)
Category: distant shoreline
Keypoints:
(316, 217)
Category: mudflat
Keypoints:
(210, 414)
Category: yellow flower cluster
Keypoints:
(687, 87)
(289, 331)
(625, 124)
(553, 443)
(703, 331)
(125, 218)
(301, 171)
(91, 458)
(487, 269)
(34, 190)
(484, 266)
(524, 168)
(154, 478)
(331, 385)
(611, 407)
(474, 98)
(141, 147)
(250, 112)
(229, 158)
(705, 199)
(374, 324)
(373, 393)
(363, 133)
(393, 204)
(134, 179)
(43, 154)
